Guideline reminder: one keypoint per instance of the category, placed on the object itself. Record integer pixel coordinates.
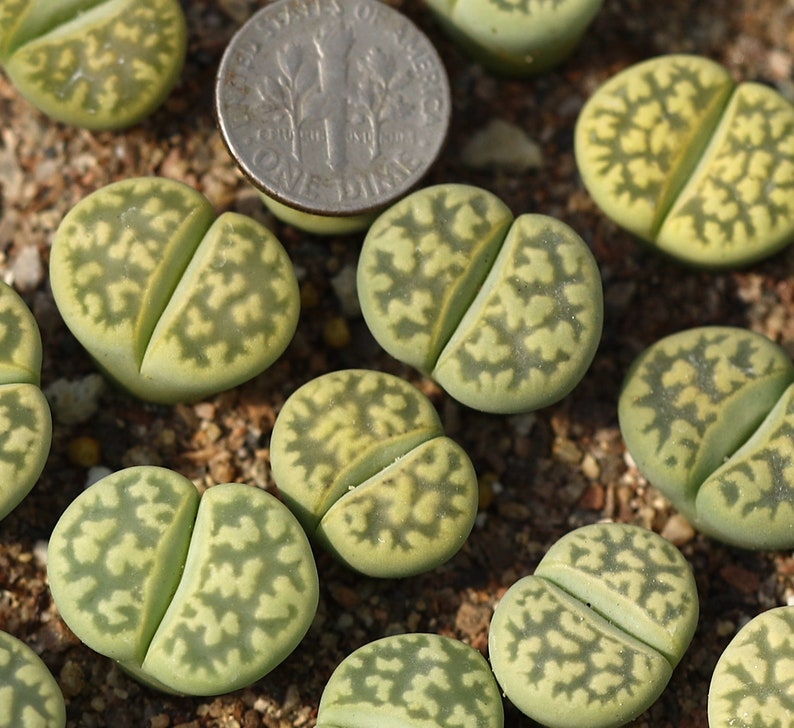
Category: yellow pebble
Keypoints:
(336, 333)
(84, 452)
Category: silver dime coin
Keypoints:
(333, 107)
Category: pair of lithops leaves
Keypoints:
(172, 302)
(29, 695)
(751, 683)
(673, 150)
(361, 458)
(516, 38)
(707, 415)
(194, 595)
(98, 64)
(25, 419)
(592, 637)
(504, 313)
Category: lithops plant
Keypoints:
(414, 681)
(516, 37)
(190, 595)
(98, 64)
(29, 695)
(707, 414)
(505, 314)
(751, 684)
(172, 302)
(592, 638)
(702, 168)
(361, 458)
(25, 419)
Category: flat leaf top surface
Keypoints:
(640, 135)
(247, 596)
(739, 204)
(752, 684)
(408, 518)
(116, 556)
(412, 681)
(173, 303)
(749, 500)
(691, 399)
(631, 576)
(531, 332)
(20, 341)
(25, 438)
(340, 429)
(421, 264)
(29, 695)
(560, 662)
(100, 65)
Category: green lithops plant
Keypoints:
(702, 168)
(412, 681)
(173, 303)
(505, 314)
(751, 684)
(98, 64)
(707, 415)
(25, 419)
(361, 458)
(516, 37)
(29, 695)
(592, 638)
(191, 595)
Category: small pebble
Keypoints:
(502, 145)
(27, 268)
(678, 530)
(84, 451)
(336, 333)
(71, 679)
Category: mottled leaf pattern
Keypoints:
(415, 681)
(29, 695)
(103, 67)
(360, 457)
(753, 682)
(172, 303)
(20, 342)
(193, 596)
(692, 399)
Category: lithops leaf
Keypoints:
(564, 665)
(25, 419)
(516, 37)
(196, 597)
(632, 577)
(422, 263)
(752, 682)
(738, 206)
(409, 517)
(641, 134)
(172, 303)
(99, 65)
(412, 681)
(749, 500)
(29, 695)
(247, 596)
(506, 315)
(116, 556)
(531, 333)
(360, 458)
(691, 399)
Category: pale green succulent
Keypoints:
(702, 168)
(752, 683)
(592, 638)
(516, 37)
(708, 415)
(25, 419)
(190, 595)
(361, 458)
(173, 303)
(98, 64)
(505, 314)
(29, 695)
(412, 681)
